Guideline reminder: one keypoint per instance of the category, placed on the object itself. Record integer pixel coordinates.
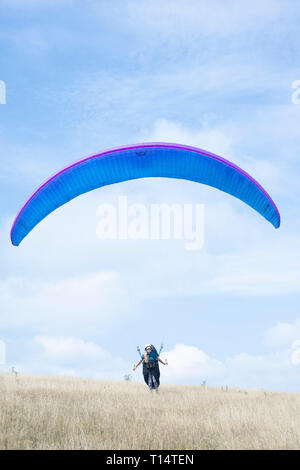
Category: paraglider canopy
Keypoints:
(151, 159)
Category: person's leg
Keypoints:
(156, 375)
(155, 383)
(150, 384)
(146, 376)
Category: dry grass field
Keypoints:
(40, 412)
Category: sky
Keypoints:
(78, 77)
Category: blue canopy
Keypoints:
(140, 161)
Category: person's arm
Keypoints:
(134, 367)
(164, 363)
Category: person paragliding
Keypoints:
(151, 372)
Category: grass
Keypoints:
(40, 412)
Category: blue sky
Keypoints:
(83, 76)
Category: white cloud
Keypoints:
(283, 334)
(271, 371)
(252, 271)
(276, 125)
(213, 17)
(224, 139)
(24, 164)
(70, 305)
(212, 139)
(69, 347)
(189, 364)
(277, 177)
(71, 356)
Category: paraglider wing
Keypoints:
(140, 161)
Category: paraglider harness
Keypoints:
(151, 364)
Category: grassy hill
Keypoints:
(40, 412)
